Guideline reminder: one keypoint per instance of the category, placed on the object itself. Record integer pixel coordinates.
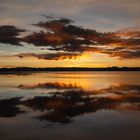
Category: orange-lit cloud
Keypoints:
(50, 56)
(73, 41)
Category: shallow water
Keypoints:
(70, 105)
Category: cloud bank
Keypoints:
(69, 41)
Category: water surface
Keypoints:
(70, 105)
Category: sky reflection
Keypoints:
(66, 100)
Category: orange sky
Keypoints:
(76, 33)
(86, 60)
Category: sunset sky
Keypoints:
(74, 33)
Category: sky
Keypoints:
(75, 33)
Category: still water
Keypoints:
(70, 106)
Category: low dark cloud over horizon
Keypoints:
(62, 35)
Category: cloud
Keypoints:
(50, 56)
(102, 15)
(124, 54)
(50, 85)
(8, 34)
(60, 34)
(129, 34)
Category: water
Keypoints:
(70, 106)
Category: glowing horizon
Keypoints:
(72, 37)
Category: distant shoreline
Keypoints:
(30, 69)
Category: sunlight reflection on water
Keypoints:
(70, 105)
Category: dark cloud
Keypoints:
(54, 22)
(50, 56)
(124, 54)
(61, 35)
(9, 34)
(50, 85)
